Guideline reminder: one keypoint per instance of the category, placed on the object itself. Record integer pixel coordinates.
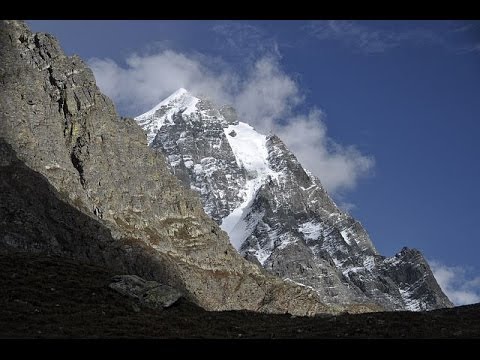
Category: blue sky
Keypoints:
(386, 113)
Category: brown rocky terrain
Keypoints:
(92, 190)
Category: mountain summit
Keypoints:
(277, 214)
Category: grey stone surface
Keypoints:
(100, 174)
(296, 231)
(149, 293)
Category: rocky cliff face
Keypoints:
(277, 214)
(103, 195)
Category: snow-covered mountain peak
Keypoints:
(180, 101)
(180, 92)
(214, 130)
(188, 107)
(276, 213)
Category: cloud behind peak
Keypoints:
(264, 95)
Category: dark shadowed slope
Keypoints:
(51, 297)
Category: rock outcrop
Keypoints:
(80, 181)
(149, 293)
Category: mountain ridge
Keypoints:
(65, 135)
(277, 214)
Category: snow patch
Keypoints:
(250, 150)
(303, 285)
(236, 224)
(355, 269)
(369, 262)
(346, 236)
(411, 303)
(394, 261)
(285, 243)
(262, 255)
(311, 230)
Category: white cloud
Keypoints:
(338, 167)
(246, 41)
(267, 95)
(148, 79)
(457, 283)
(368, 39)
(353, 34)
(471, 48)
(263, 94)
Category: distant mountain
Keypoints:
(277, 214)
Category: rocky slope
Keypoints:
(80, 182)
(277, 214)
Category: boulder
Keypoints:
(149, 293)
